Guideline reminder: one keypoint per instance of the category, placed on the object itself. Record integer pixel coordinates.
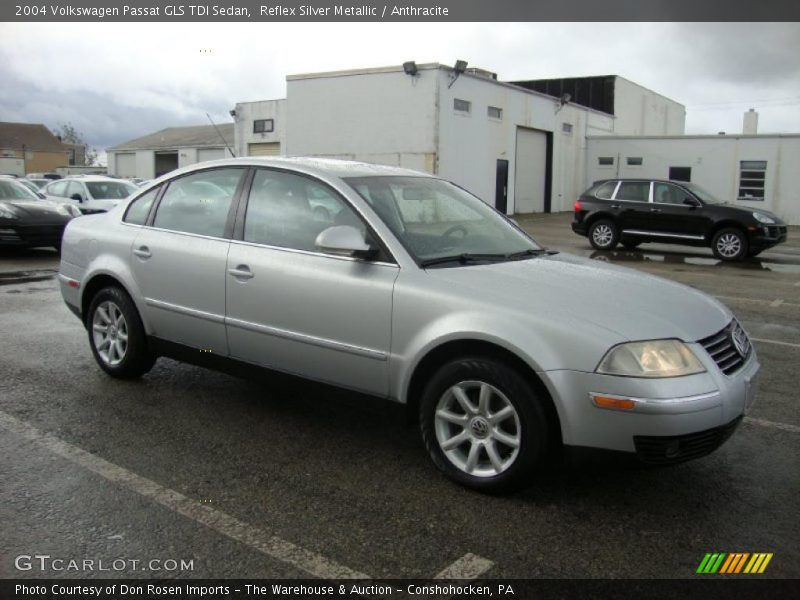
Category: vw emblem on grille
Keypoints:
(740, 341)
(480, 428)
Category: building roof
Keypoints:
(31, 136)
(195, 136)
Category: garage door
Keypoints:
(125, 165)
(204, 154)
(530, 169)
(264, 149)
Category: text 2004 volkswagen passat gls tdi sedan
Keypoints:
(410, 288)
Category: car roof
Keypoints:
(635, 179)
(310, 165)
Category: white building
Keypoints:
(759, 171)
(522, 150)
(160, 152)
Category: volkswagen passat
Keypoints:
(412, 289)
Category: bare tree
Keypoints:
(70, 135)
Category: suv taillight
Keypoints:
(577, 206)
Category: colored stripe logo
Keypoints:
(734, 563)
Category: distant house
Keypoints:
(160, 152)
(30, 148)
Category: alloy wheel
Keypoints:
(729, 245)
(110, 333)
(602, 235)
(478, 428)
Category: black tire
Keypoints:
(533, 433)
(730, 244)
(137, 359)
(604, 235)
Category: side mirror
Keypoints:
(76, 197)
(344, 240)
(692, 202)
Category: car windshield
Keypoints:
(11, 190)
(110, 190)
(704, 196)
(440, 223)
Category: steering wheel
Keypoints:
(456, 229)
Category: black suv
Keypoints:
(632, 211)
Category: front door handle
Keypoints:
(615, 206)
(241, 272)
(142, 252)
(655, 210)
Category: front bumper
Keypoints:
(32, 236)
(667, 414)
(767, 236)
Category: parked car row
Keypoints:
(28, 220)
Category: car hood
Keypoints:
(635, 305)
(747, 212)
(35, 210)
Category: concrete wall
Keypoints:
(714, 161)
(640, 111)
(379, 116)
(247, 112)
(146, 160)
(469, 145)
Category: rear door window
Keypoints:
(140, 208)
(635, 191)
(199, 203)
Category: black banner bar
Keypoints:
(408, 10)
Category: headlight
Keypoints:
(658, 358)
(762, 218)
(69, 209)
(7, 213)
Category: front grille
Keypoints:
(662, 450)
(776, 231)
(729, 348)
(44, 235)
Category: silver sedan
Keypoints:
(412, 289)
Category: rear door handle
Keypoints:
(616, 206)
(142, 252)
(655, 210)
(241, 272)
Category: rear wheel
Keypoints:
(484, 425)
(729, 244)
(116, 335)
(603, 235)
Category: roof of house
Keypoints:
(195, 136)
(31, 136)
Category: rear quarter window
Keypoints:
(605, 190)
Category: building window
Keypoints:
(752, 175)
(462, 106)
(605, 161)
(494, 113)
(566, 128)
(263, 125)
(634, 161)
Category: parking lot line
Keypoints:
(773, 424)
(756, 301)
(469, 566)
(778, 342)
(271, 545)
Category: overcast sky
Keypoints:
(115, 82)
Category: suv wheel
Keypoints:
(603, 235)
(483, 424)
(729, 244)
(116, 335)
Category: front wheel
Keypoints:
(116, 335)
(729, 244)
(603, 235)
(484, 425)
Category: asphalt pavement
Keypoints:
(192, 473)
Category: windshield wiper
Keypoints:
(463, 258)
(531, 252)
